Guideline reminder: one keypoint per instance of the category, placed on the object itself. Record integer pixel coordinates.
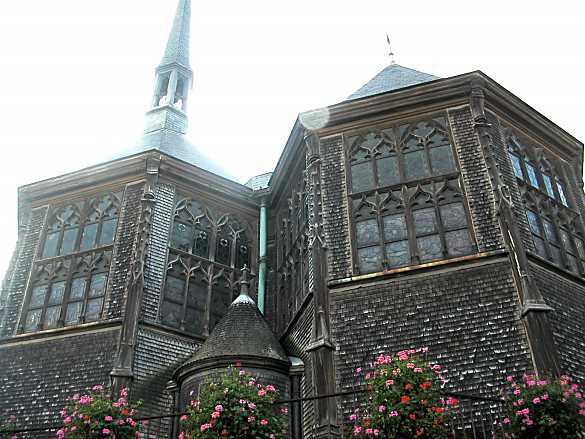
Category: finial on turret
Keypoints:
(391, 53)
(244, 282)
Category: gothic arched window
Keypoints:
(207, 250)
(81, 226)
(556, 234)
(408, 209)
(67, 292)
(533, 167)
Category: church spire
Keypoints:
(177, 50)
(173, 78)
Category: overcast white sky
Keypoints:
(77, 75)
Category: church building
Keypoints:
(420, 211)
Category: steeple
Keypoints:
(173, 78)
(166, 121)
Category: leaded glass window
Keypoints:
(557, 235)
(67, 292)
(207, 251)
(410, 212)
(537, 171)
(81, 226)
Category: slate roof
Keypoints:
(242, 332)
(391, 78)
(259, 181)
(177, 49)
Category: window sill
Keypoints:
(63, 331)
(396, 272)
(545, 263)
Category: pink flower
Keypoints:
(530, 383)
(509, 378)
(251, 419)
(215, 415)
(357, 429)
(251, 406)
(270, 388)
(74, 428)
(517, 392)
(417, 369)
(352, 417)
(219, 408)
(108, 418)
(536, 400)
(393, 413)
(410, 365)
(425, 349)
(105, 431)
(184, 418)
(97, 388)
(381, 408)
(358, 370)
(182, 435)
(272, 436)
(85, 400)
(506, 420)
(241, 373)
(284, 410)
(264, 422)
(389, 383)
(544, 397)
(124, 392)
(436, 367)
(261, 392)
(67, 420)
(369, 431)
(60, 434)
(204, 427)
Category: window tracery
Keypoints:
(67, 292)
(557, 232)
(406, 197)
(81, 226)
(292, 259)
(206, 250)
(69, 279)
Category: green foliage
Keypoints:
(403, 399)
(96, 415)
(235, 406)
(7, 423)
(544, 409)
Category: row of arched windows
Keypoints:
(408, 207)
(556, 230)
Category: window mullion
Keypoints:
(66, 294)
(45, 305)
(188, 274)
(441, 229)
(414, 256)
(85, 299)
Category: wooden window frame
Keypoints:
(403, 185)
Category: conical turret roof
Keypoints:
(241, 334)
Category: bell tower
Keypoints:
(173, 79)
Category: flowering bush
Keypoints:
(543, 409)
(7, 424)
(235, 407)
(403, 399)
(97, 415)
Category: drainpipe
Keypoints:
(262, 257)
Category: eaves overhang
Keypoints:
(129, 169)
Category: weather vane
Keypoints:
(391, 54)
